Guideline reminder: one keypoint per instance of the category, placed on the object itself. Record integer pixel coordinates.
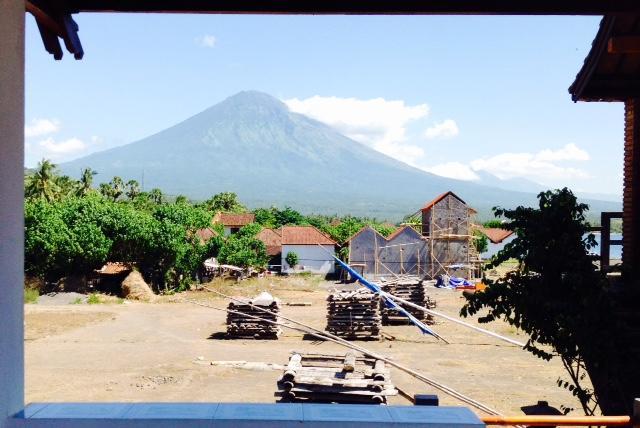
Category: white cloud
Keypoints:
(206, 41)
(66, 147)
(445, 129)
(543, 166)
(378, 123)
(40, 127)
(456, 170)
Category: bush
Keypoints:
(31, 295)
(292, 259)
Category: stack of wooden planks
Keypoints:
(240, 326)
(412, 290)
(324, 378)
(354, 315)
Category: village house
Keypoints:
(272, 240)
(314, 249)
(233, 222)
(498, 238)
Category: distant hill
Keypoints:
(253, 145)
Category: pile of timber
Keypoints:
(412, 290)
(241, 326)
(347, 378)
(354, 315)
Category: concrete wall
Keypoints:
(11, 208)
(313, 258)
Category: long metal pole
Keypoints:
(326, 336)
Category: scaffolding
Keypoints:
(448, 225)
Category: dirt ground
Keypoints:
(163, 351)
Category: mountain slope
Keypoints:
(253, 145)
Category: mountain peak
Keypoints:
(254, 98)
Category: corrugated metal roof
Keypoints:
(304, 235)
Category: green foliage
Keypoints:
(495, 223)
(226, 202)
(480, 241)
(292, 259)
(244, 249)
(31, 295)
(94, 299)
(555, 295)
(274, 217)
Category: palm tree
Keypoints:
(43, 182)
(133, 189)
(86, 182)
(156, 195)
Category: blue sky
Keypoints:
(451, 95)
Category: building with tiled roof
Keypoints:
(315, 250)
(272, 240)
(233, 222)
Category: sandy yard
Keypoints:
(162, 352)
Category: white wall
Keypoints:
(12, 18)
(312, 257)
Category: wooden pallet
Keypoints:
(354, 315)
(242, 326)
(414, 292)
(326, 378)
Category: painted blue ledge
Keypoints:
(227, 415)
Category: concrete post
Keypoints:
(12, 18)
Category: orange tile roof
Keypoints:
(205, 234)
(430, 205)
(272, 240)
(304, 235)
(495, 234)
(234, 220)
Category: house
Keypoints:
(498, 238)
(233, 222)
(204, 235)
(446, 221)
(363, 250)
(315, 250)
(404, 252)
(273, 242)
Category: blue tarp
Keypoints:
(389, 303)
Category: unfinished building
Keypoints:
(447, 223)
(404, 252)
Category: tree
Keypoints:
(86, 182)
(42, 183)
(156, 196)
(480, 241)
(133, 189)
(225, 202)
(244, 249)
(495, 223)
(556, 295)
(292, 259)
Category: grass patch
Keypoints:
(94, 299)
(31, 295)
(77, 301)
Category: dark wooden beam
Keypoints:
(624, 45)
(497, 7)
(631, 195)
